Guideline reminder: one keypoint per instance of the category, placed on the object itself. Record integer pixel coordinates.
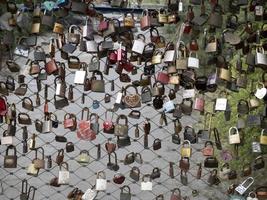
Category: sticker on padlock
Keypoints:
(256, 147)
(243, 187)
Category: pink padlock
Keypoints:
(199, 104)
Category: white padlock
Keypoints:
(101, 182)
(63, 175)
(146, 185)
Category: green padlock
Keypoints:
(84, 157)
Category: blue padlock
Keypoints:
(95, 104)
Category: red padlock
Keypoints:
(163, 77)
(68, 121)
(108, 125)
(193, 46)
(187, 27)
(127, 66)
(3, 106)
(112, 57)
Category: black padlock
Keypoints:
(227, 113)
(25, 146)
(49, 162)
(54, 120)
(98, 151)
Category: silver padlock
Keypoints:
(47, 125)
(88, 30)
(260, 58)
(193, 62)
(60, 86)
(91, 46)
(139, 44)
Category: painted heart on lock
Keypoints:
(132, 100)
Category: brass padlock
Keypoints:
(36, 24)
(58, 28)
(263, 138)
(12, 21)
(129, 20)
(162, 16)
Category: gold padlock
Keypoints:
(157, 57)
(35, 27)
(129, 20)
(225, 74)
(253, 102)
(263, 138)
(12, 21)
(58, 28)
(162, 16)
(186, 150)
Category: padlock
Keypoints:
(221, 103)
(168, 105)
(60, 87)
(88, 30)
(193, 62)
(60, 156)
(74, 34)
(170, 53)
(208, 149)
(261, 91)
(162, 16)
(36, 24)
(260, 58)
(47, 124)
(58, 28)
(199, 103)
(243, 187)
(224, 171)
(263, 137)
(101, 182)
(63, 175)
(129, 20)
(24, 190)
(80, 74)
(145, 20)
(139, 44)
(39, 163)
(84, 157)
(146, 185)
(234, 138)
(186, 149)
(157, 57)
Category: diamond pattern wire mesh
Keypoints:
(84, 177)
